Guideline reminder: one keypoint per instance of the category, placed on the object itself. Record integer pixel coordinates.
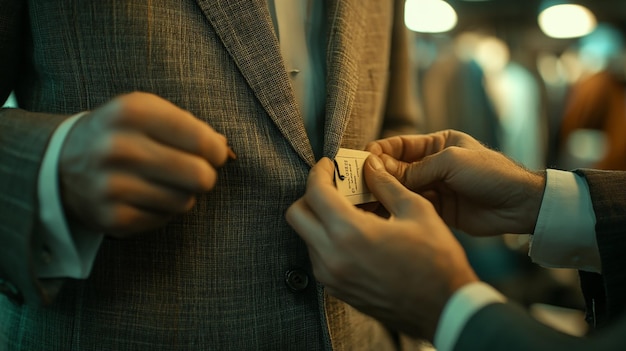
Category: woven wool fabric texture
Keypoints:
(214, 278)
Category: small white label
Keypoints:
(349, 176)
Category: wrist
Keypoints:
(468, 300)
(459, 278)
(533, 197)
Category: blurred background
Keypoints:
(541, 81)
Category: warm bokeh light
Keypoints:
(548, 68)
(566, 21)
(492, 54)
(587, 145)
(429, 16)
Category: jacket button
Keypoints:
(296, 280)
(9, 290)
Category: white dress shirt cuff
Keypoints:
(62, 255)
(459, 309)
(565, 235)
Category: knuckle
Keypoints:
(106, 146)
(343, 233)
(111, 188)
(121, 222)
(404, 201)
(113, 218)
(374, 148)
(124, 220)
(411, 203)
(452, 154)
(338, 267)
(342, 228)
(117, 148)
(127, 109)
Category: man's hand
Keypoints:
(132, 164)
(401, 270)
(473, 188)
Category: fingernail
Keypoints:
(375, 162)
(231, 154)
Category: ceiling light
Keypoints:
(429, 16)
(566, 21)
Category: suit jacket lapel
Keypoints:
(345, 23)
(244, 27)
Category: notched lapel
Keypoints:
(244, 27)
(345, 20)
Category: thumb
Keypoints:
(396, 198)
(417, 175)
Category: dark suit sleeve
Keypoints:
(10, 23)
(605, 294)
(508, 327)
(23, 139)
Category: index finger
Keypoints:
(165, 122)
(412, 148)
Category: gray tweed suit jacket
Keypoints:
(230, 274)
